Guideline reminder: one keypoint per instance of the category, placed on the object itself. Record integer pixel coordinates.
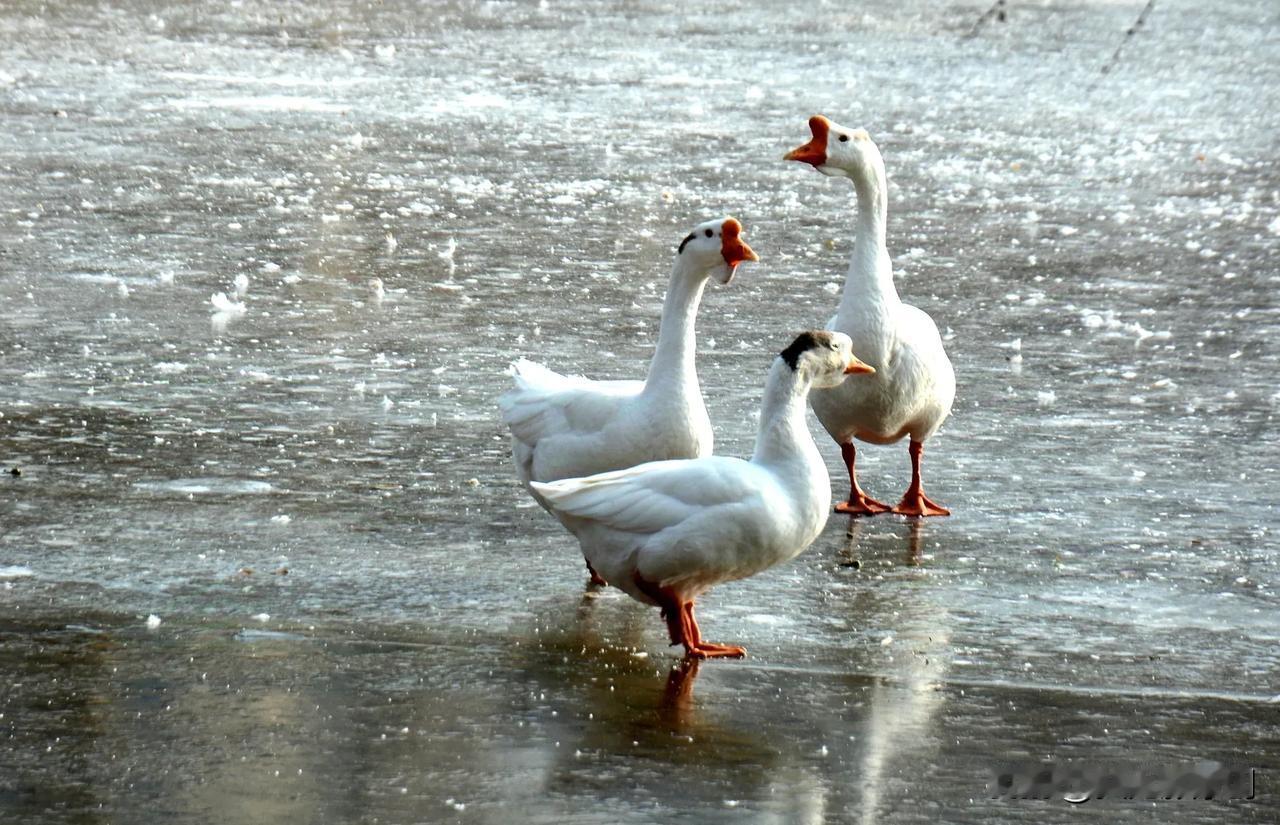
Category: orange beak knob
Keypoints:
(732, 247)
(815, 151)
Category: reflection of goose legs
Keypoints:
(914, 543)
(914, 501)
(859, 503)
(680, 683)
(681, 626)
(677, 707)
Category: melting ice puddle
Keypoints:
(264, 103)
(206, 486)
(84, 628)
(768, 619)
(274, 80)
(248, 635)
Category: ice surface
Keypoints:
(395, 200)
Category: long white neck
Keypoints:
(783, 434)
(673, 359)
(869, 284)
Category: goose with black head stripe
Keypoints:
(666, 531)
(570, 426)
(914, 385)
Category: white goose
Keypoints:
(570, 426)
(914, 385)
(666, 531)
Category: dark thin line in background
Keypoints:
(996, 10)
(1142, 16)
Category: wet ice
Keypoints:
(1119, 539)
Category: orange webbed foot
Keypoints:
(920, 506)
(861, 505)
(711, 650)
(914, 501)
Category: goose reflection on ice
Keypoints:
(849, 552)
(913, 660)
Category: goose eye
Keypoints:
(844, 138)
(709, 233)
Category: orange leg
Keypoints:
(914, 501)
(681, 626)
(859, 503)
(667, 603)
(596, 579)
(695, 647)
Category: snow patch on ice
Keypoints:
(1109, 321)
(221, 303)
(260, 103)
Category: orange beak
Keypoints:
(815, 151)
(732, 247)
(855, 366)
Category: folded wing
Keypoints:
(545, 403)
(653, 497)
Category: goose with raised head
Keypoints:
(570, 426)
(914, 384)
(666, 531)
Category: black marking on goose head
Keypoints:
(804, 342)
(686, 240)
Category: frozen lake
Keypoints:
(361, 615)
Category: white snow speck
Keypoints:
(1046, 398)
(153, 621)
(447, 254)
